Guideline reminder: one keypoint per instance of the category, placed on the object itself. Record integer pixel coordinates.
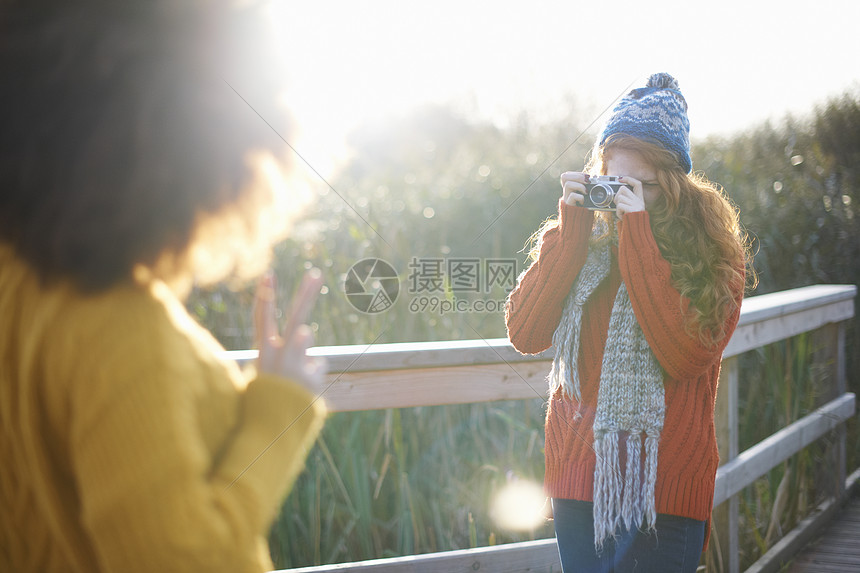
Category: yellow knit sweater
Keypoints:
(126, 443)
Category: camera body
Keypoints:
(600, 193)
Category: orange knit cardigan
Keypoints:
(688, 456)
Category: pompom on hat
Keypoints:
(658, 113)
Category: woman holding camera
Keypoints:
(128, 169)
(639, 301)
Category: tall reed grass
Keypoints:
(401, 482)
(779, 384)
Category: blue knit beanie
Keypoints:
(658, 113)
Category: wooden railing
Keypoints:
(366, 377)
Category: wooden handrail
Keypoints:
(747, 467)
(401, 375)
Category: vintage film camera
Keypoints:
(600, 193)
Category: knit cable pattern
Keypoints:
(630, 401)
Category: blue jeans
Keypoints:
(675, 546)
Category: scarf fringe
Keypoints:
(632, 491)
(650, 509)
(623, 499)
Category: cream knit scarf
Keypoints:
(630, 399)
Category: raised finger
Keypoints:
(302, 338)
(303, 301)
(264, 309)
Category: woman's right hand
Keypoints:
(573, 187)
(285, 353)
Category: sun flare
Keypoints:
(519, 506)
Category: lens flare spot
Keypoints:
(519, 506)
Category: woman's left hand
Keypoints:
(284, 353)
(630, 198)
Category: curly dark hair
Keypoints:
(118, 132)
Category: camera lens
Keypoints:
(600, 195)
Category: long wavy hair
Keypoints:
(697, 230)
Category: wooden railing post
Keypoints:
(726, 419)
(842, 431)
(829, 356)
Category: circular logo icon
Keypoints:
(371, 285)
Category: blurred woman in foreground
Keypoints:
(129, 169)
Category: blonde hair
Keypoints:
(698, 232)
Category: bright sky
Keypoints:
(738, 61)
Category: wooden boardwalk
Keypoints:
(837, 549)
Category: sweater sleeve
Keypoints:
(157, 493)
(534, 307)
(659, 307)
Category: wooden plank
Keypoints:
(726, 411)
(787, 547)
(843, 545)
(764, 319)
(726, 419)
(426, 373)
(352, 391)
(841, 387)
(836, 547)
(741, 472)
(779, 327)
(413, 355)
(539, 556)
(775, 304)
(408, 355)
(814, 567)
(823, 554)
